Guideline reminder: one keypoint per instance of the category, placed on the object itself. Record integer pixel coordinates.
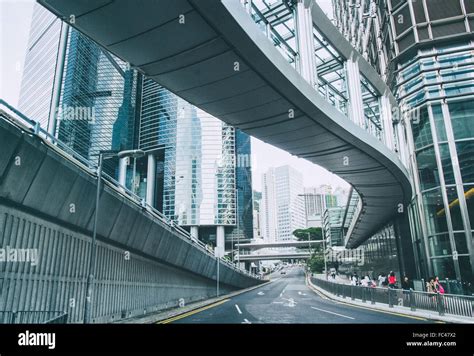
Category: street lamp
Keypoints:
(105, 154)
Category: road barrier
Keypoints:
(33, 317)
(452, 304)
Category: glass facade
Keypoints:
(425, 53)
(332, 226)
(40, 65)
(98, 98)
(203, 167)
(438, 84)
(243, 177)
(97, 106)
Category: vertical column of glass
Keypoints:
(304, 28)
(461, 195)
(444, 195)
(356, 113)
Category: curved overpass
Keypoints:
(213, 55)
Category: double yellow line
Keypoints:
(192, 312)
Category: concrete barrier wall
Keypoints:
(47, 201)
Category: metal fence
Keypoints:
(33, 317)
(441, 303)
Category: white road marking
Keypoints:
(283, 291)
(291, 302)
(277, 302)
(301, 293)
(246, 322)
(326, 311)
(260, 293)
(238, 309)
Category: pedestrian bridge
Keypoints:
(291, 243)
(280, 72)
(275, 256)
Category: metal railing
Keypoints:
(33, 317)
(91, 167)
(443, 304)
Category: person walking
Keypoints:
(382, 279)
(406, 283)
(392, 280)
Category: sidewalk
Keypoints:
(396, 309)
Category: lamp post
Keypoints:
(93, 253)
(103, 155)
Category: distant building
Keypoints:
(283, 204)
(332, 226)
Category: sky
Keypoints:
(15, 19)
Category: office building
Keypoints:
(424, 51)
(282, 203)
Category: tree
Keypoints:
(316, 263)
(313, 233)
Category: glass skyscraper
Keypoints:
(203, 166)
(424, 50)
(79, 92)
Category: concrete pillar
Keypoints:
(151, 180)
(194, 231)
(304, 28)
(122, 175)
(356, 112)
(220, 241)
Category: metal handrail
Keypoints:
(91, 167)
(453, 304)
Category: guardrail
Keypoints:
(91, 167)
(33, 317)
(452, 304)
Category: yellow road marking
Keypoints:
(195, 311)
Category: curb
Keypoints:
(171, 313)
(327, 295)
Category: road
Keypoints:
(287, 299)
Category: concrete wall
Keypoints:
(47, 202)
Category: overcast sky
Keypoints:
(15, 19)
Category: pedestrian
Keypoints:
(392, 280)
(354, 280)
(437, 286)
(365, 281)
(374, 283)
(381, 279)
(406, 283)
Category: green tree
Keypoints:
(313, 233)
(316, 263)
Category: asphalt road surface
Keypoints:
(287, 299)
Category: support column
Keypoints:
(151, 180)
(58, 79)
(356, 112)
(220, 241)
(194, 231)
(122, 175)
(304, 28)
